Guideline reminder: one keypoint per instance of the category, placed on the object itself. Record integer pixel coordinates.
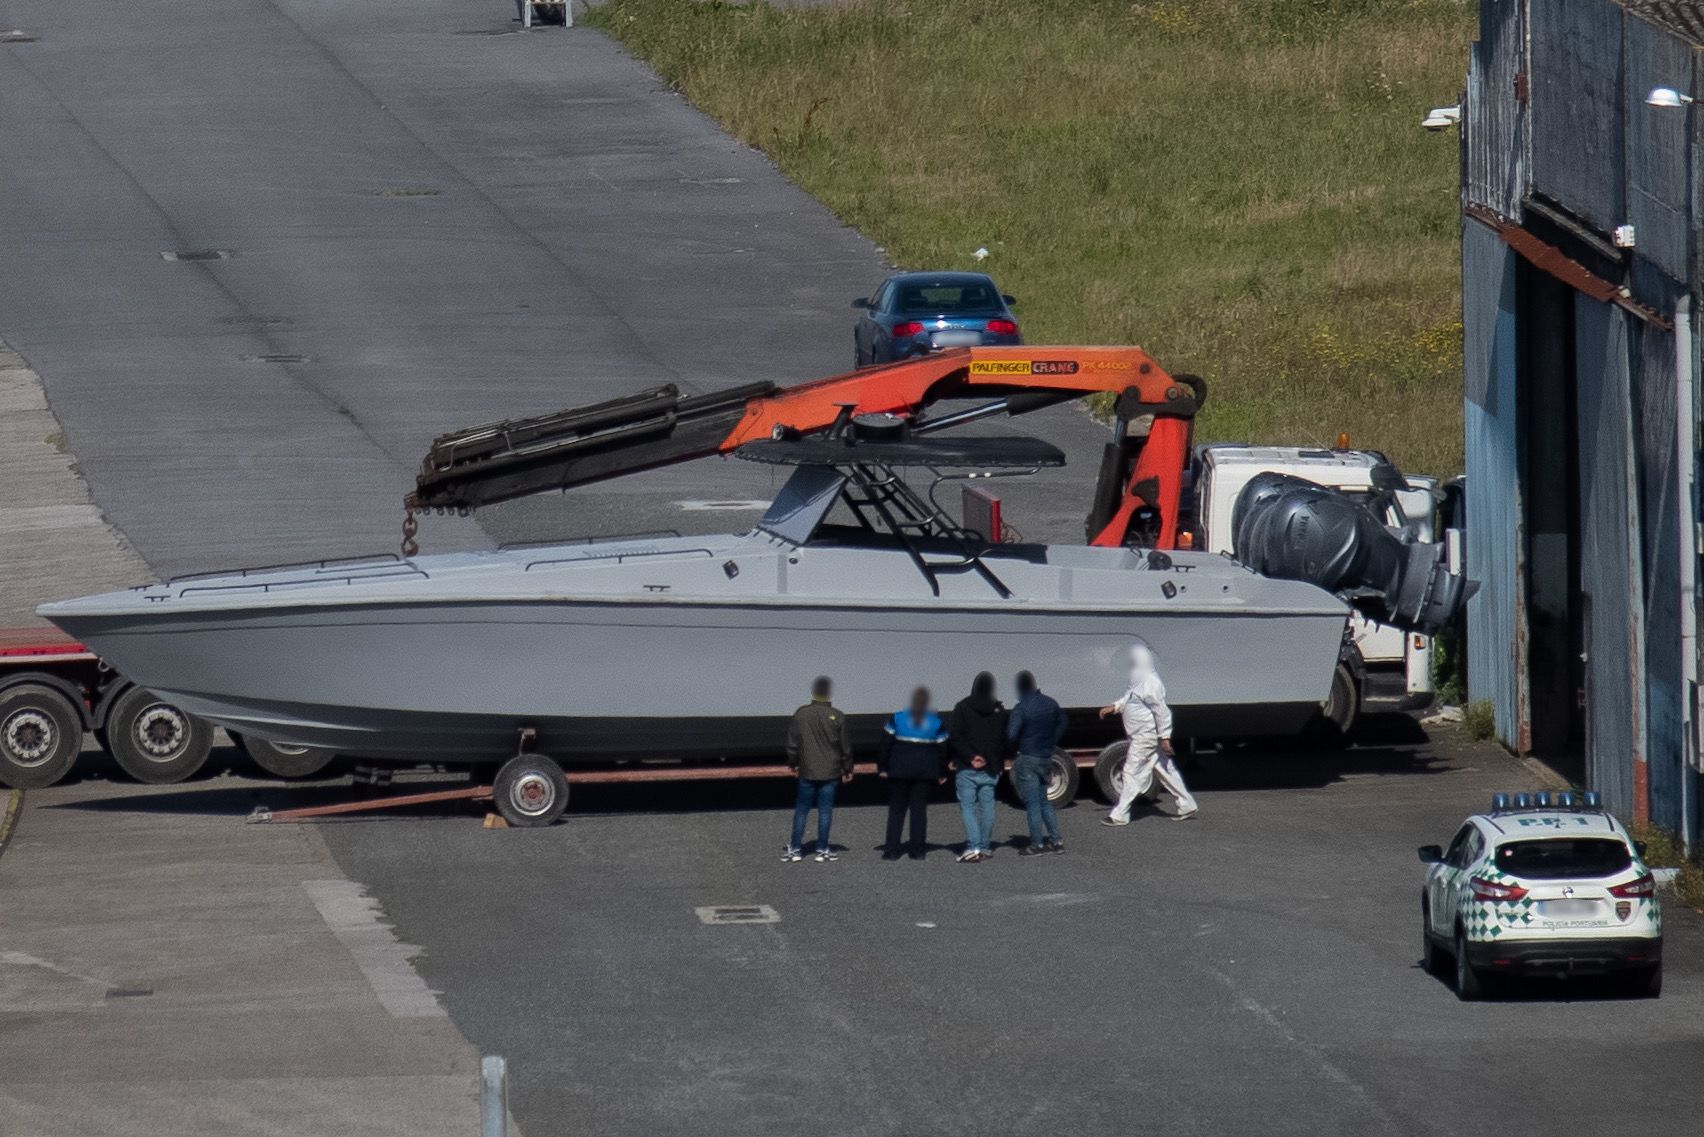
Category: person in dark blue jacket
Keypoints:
(1035, 728)
(913, 760)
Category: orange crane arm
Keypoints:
(658, 427)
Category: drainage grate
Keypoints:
(197, 255)
(16, 36)
(276, 357)
(129, 992)
(408, 191)
(733, 914)
(256, 321)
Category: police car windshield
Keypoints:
(1563, 857)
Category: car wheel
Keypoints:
(530, 791)
(1431, 956)
(155, 742)
(1646, 983)
(1468, 983)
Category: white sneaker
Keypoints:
(826, 855)
(1190, 816)
(791, 854)
(1109, 819)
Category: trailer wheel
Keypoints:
(1063, 779)
(283, 760)
(530, 790)
(155, 742)
(41, 733)
(1109, 771)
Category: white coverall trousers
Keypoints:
(1142, 765)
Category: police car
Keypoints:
(1543, 884)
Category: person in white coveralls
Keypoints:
(1148, 723)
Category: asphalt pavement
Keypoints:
(1252, 972)
(418, 219)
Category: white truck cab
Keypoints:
(1380, 666)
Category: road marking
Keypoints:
(738, 914)
(735, 505)
(355, 919)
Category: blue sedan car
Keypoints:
(914, 313)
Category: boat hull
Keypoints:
(436, 680)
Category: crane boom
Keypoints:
(501, 461)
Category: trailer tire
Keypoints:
(1063, 779)
(41, 734)
(155, 742)
(1109, 770)
(530, 791)
(283, 760)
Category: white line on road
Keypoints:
(354, 918)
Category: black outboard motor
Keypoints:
(1293, 529)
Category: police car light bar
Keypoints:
(1544, 799)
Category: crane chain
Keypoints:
(410, 526)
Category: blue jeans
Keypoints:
(1031, 776)
(820, 797)
(976, 801)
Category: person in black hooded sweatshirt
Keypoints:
(976, 732)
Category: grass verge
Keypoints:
(1240, 186)
(1663, 851)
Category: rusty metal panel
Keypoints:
(1496, 622)
(1494, 119)
(1577, 108)
(1610, 557)
(1657, 152)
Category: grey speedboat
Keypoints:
(695, 646)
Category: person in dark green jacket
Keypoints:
(819, 747)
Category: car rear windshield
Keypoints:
(1563, 857)
(940, 299)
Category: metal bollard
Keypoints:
(493, 1097)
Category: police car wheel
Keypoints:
(1468, 984)
(1646, 983)
(1431, 956)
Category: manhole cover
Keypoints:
(735, 914)
(276, 357)
(197, 255)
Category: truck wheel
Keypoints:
(1063, 779)
(155, 742)
(41, 733)
(283, 760)
(1109, 771)
(1336, 716)
(530, 790)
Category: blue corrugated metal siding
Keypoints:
(1656, 148)
(1575, 80)
(1496, 635)
(1654, 408)
(1609, 554)
(1494, 128)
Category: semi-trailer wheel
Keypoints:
(1336, 716)
(530, 790)
(283, 760)
(154, 741)
(1109, 771)
(1063, 779)
(41, 733)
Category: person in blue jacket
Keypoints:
(1035, 728)
(913, 761)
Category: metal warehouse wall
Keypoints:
(1496, 636)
